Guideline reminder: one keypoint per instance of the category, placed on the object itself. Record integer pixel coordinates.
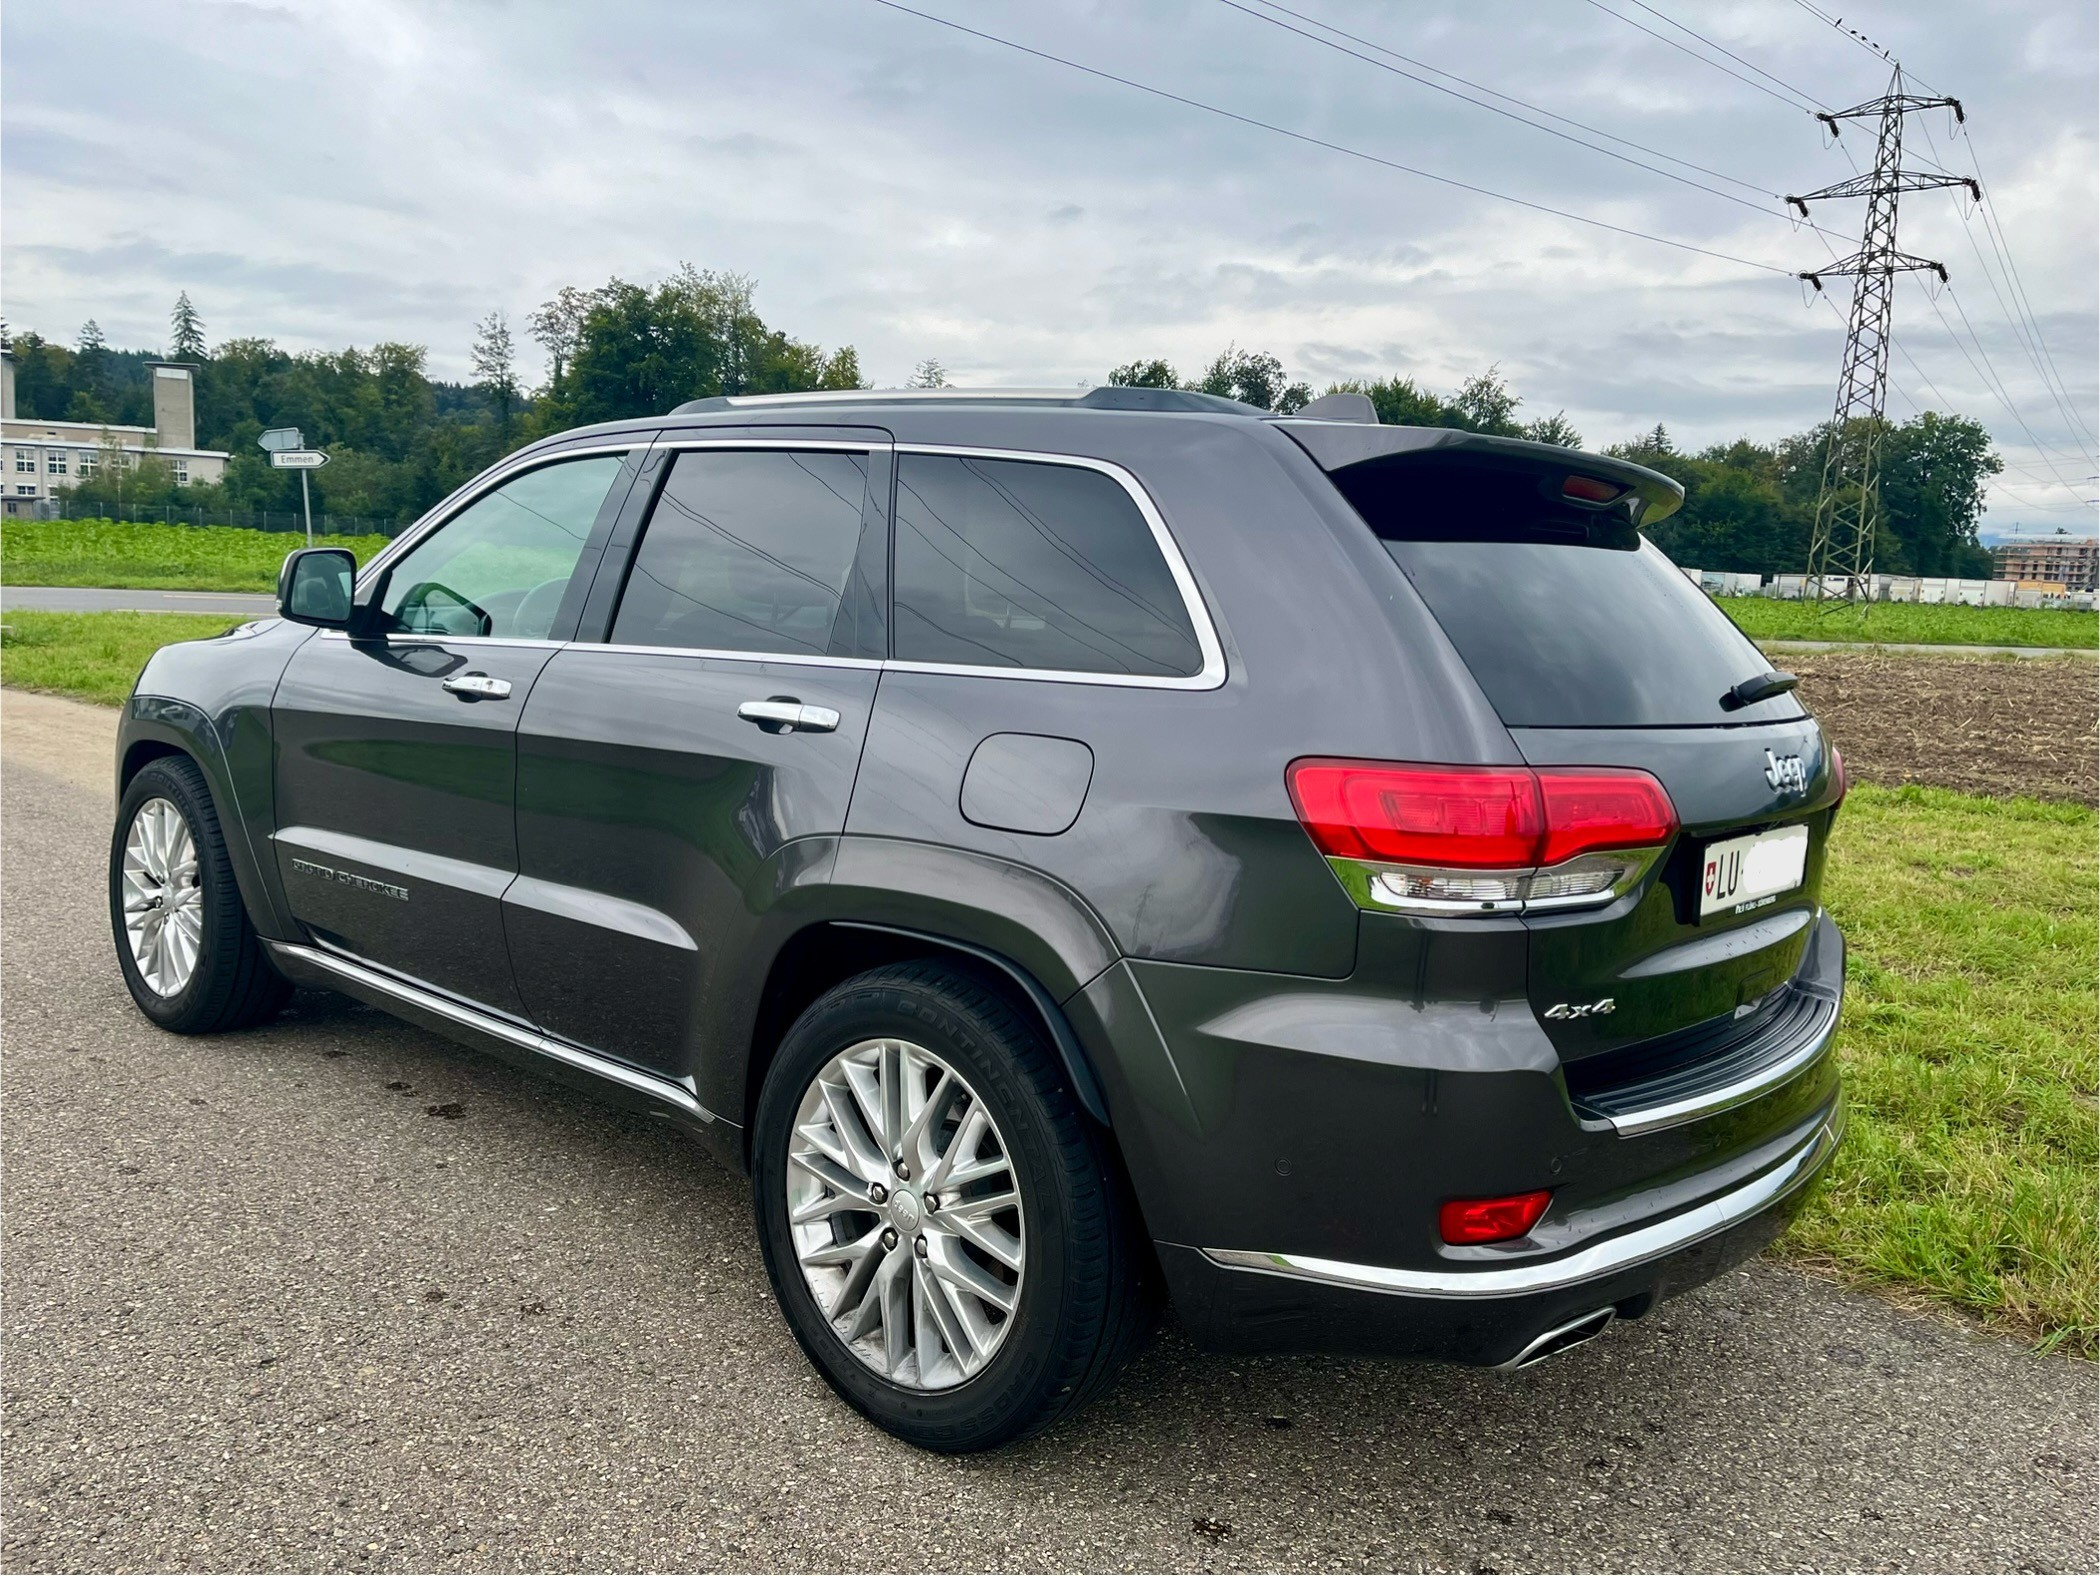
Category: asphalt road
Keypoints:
(92, 599)
(264, 1309)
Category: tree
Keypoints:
(558, 326)
(1485, 403)
(928, 374)
(91, 337)
(1933, 470)
(495, 368)
(1153, 374)
(186, 331)
(1254, 378)
(1556, 429)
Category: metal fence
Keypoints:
(248, 519)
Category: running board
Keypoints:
(311, 965)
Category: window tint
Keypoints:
(1016, 564)
(501, 566)
(746, 551)
(1568, 618)
(1561, 636)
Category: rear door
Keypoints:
(685, 759)
(1597, 652)
(396, 754)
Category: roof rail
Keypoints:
(1111, 397)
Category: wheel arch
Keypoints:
(829, 952)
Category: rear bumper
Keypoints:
(1488, 1314)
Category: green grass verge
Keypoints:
(1968, 1044)
(92, 656)
(1913, 623)
(1969, 1037)
(153, 557)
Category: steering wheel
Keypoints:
(536, 612)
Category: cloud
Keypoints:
(341, 171)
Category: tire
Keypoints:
(1082, 1292)
(230, 982)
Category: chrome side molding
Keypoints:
(364, 981)
(1656, 1240)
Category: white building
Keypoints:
(40, 458)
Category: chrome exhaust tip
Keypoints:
(1561, 1338)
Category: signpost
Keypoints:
(280, 438)
(290, 457)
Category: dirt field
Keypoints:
(1975, 724)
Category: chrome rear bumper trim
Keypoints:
(360, 977)
(1654, 1118)
(1600, 1259)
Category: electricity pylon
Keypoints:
(1841, 547)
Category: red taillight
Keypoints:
(1600, 810)
(1476, 818)
(1464, 1221)
(1483, 818)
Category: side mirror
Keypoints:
(314, 587)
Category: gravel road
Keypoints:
(268, 1307)
(92, 599)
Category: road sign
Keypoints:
(298, 459)
(278, 438)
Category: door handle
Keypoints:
(789, 716)
(478, 686)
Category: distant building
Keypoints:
(2072, 561)
(41, 458)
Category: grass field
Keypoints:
(93, 656)
(155, 557)
(1913, 623)
(1967, 1177)
(1969, 1052)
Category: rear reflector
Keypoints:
(1465, 1221)
(1447, 839)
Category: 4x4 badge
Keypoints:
(1582, 1009)
(1785, 773)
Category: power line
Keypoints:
(2047, 458)
(1328, 43)
(1813, 101)
(2024, 328)
(1703, 59)
(2005, 388)
(1332, 147)
(1507, 98)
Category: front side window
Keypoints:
(501, 566)
(1021, 564)
(747, 550)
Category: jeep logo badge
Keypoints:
(1785, 773)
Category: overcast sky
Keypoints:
(332, 172)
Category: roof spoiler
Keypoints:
(1338, 445)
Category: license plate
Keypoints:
(1749, 872)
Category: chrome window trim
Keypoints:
(1208, 677)
(810, 660)
(418, 637)
(829, 445)
(470, 493)
(1625, 1251)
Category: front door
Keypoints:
(396, 754)
(676, 776)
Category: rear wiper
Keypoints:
(1763, 687)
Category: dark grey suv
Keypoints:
(1065, 847)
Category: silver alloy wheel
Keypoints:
(163, 904)
(906, 1214)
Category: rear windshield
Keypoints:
(1564, 622)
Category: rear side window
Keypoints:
(1565, 623)
(1020, 564)
(746, 551)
